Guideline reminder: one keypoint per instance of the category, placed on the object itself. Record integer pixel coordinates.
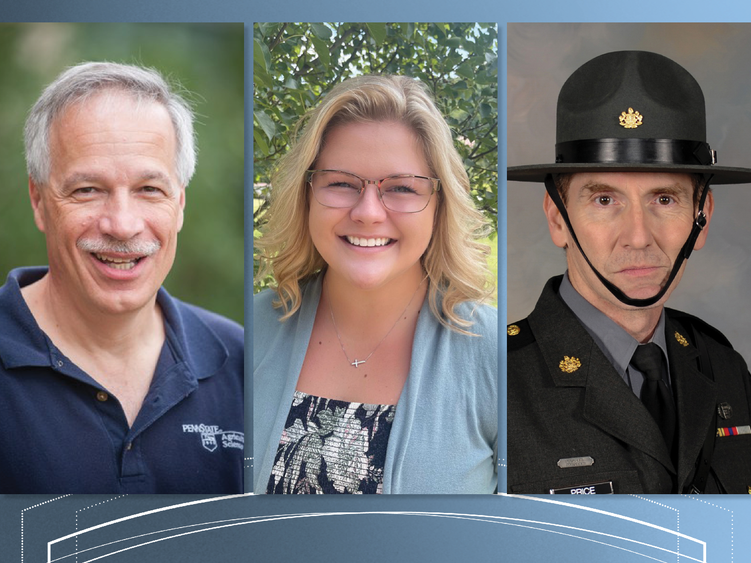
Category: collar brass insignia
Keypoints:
(569, 365)
(630, 120)
(681, 340)
(513, 330)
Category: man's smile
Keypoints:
(118, 263)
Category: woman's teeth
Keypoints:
(357, 241)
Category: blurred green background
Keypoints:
(295, 64)
(207, 60)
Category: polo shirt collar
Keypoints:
(23, 343)
(193, 341)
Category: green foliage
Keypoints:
(207, 60)
(295, 64)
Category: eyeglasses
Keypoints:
(403, 193)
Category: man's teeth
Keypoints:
(368, 241)
(117, 263)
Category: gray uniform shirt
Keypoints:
(617, 344)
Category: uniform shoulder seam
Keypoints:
(690, 321)
(519, 335)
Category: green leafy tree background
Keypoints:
(295, 64)
(207, 60)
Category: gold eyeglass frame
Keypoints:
(365, 181)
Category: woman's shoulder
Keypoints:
(484, 319)
(266, 303)
(477, 343)
(266, 320)
(266, 316)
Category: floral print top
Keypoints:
(331, 446)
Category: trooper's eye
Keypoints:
(665, 200)
(604, 200)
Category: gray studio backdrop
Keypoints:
(716, 285)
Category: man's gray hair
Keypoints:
(83, 80)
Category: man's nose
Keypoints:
(121, 217)
(369, 208)
(636, 230)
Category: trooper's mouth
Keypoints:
(368, 242)
(118, 263)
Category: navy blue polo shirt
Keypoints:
(62, 432)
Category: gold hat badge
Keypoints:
(513, 330)
(630, 120)
(569, 365)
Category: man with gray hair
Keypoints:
(107, 383)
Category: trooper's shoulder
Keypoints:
(694, 324)
(519, 335)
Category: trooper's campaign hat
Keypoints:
(631, 111)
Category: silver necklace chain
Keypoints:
(357, 362)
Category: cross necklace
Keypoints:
(357, 362)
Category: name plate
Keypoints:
(604, 488)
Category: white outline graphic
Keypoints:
(633, 546)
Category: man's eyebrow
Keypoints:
(155, 175)
(671, 189)
(596, 187)
(81, 178)
(93, 178)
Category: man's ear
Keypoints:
(556, 224)
(37, 204)
(708, 210)
(182, 209)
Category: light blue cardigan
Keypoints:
(444, 439)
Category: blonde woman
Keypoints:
(375, 361)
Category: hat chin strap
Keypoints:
(699, 223)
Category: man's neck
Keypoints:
(612, 339)
(639, 322)
(65, 320)
(120, 352)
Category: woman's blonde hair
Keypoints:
(455, 262)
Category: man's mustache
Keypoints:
(140, 247)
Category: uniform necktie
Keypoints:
(654, 392)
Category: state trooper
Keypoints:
(609, 391)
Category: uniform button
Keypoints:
(101, 396)
(59, 363)
(129, 446)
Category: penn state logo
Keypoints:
(209, 442)
(212, 434)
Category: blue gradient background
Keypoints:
(427, 528)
